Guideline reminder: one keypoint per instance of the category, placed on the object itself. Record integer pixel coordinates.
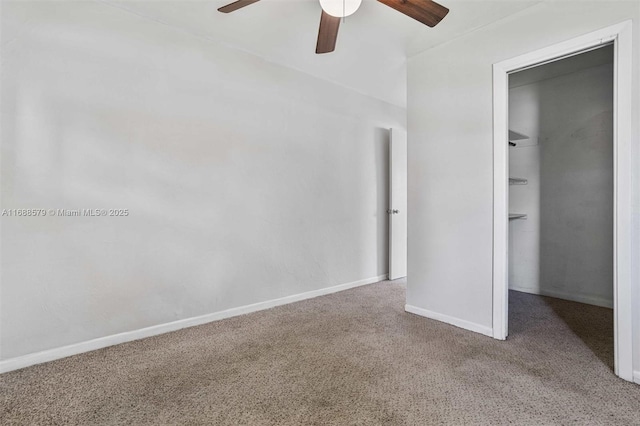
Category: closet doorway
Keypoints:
(562, 188)
(561, 202)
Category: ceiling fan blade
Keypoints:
(428, 12)
(328, 33)
(236, 5)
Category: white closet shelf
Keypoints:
(517, 181)
(517, 216)
(515, 136)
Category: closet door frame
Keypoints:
(621, 37)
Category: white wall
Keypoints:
(245, 181)
(564, 248)
(450, 154)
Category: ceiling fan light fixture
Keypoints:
(427, 12)
(340, 8)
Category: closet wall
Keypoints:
(564, 247)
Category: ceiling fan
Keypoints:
(428, 12)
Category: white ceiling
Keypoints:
(372, 47)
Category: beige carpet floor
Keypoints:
(351, 358)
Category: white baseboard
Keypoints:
(589, 300)
(467, 325)
(115, 339)
(636, 377)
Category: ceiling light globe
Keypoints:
(340, 8)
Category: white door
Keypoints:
(398, 204)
